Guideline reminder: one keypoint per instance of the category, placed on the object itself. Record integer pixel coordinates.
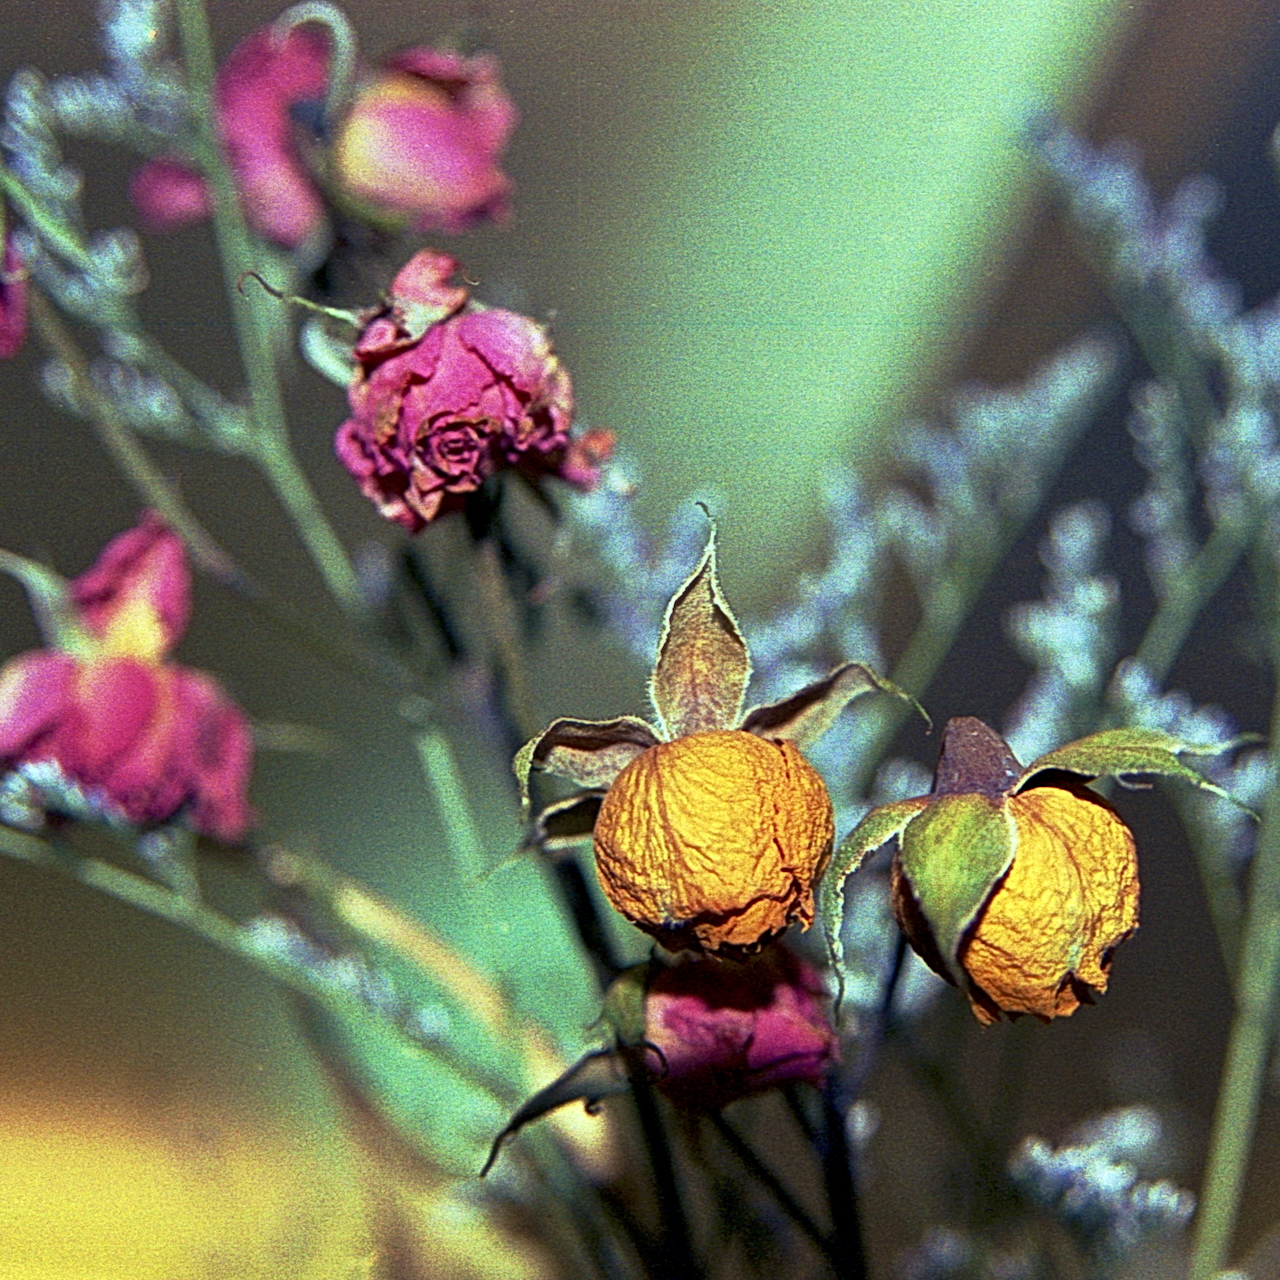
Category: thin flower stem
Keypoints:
(1252, 1030)
(445, 781)
(848, 1249)
(231, 937)
(770, 1181)
(154, 487)
(254, 323)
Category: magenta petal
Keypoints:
(35, 689)
(168, 195)
(147, 566)
(13, 302)
(111, 705)
(215, 754)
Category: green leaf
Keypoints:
(953, 855)
(876, 828)
(1121, 753)
(703, 666)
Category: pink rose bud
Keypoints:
(421, 144)
(418, 147)
(724, 1029)
(141, 739)
(444, 396)
(13, 301)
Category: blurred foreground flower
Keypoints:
(724, 1029)
(447, 394)
(416, 146)
(13, 301)
(102, 713)
(1016, 884)
(714, 827)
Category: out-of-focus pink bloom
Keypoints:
(724, 1029)
(422, 142)
(418, 145)
(445, 395)
(13, 301)
(142, 739)
(258, 87)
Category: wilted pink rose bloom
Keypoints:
(421, 144)
(418, 146)
(724, 1029)
(13, 301)
(444, 396)
(141, 738)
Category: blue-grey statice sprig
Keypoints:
(643, 576)
(996, 460)
(1162, 513)
(1092, 1185)
(946, 1253)
(1069, 636)
(139, 100)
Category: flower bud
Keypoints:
(714, 839)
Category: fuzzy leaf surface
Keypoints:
(703, 666)
(1120, 753)
(589, 752)
(807, 714)
(953, 854)
(877, 827)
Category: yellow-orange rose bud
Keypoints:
(1069, 899)
(715, 839)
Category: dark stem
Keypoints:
(592, 933)
(674, 1255)
(848, 1255)
(769, 1180)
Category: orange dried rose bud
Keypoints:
(1070, 898)
(715, 839)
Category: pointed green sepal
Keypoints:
(953, 855)
(1124, 753)
(877, 827)
(624, 1004)
(805, 716)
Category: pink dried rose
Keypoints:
(140, 738)
(446, 394)
(723, 1029)
(418, 145)
(13, 301)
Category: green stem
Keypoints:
(449, 794)
(1247, 1047)
(253, 322)
(227, 935)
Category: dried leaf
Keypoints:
(805, 716)
(565, 823)
(703, 666)
(593, 1077)
(589, 752)
(876, 828)
(953, 854)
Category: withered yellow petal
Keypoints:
(1070, 897)
(715, 839)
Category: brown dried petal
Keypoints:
(703, 665)
(589, 752)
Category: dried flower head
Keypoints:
(713, 828)
(104, 713)
(446, 394)
(1016, 884)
